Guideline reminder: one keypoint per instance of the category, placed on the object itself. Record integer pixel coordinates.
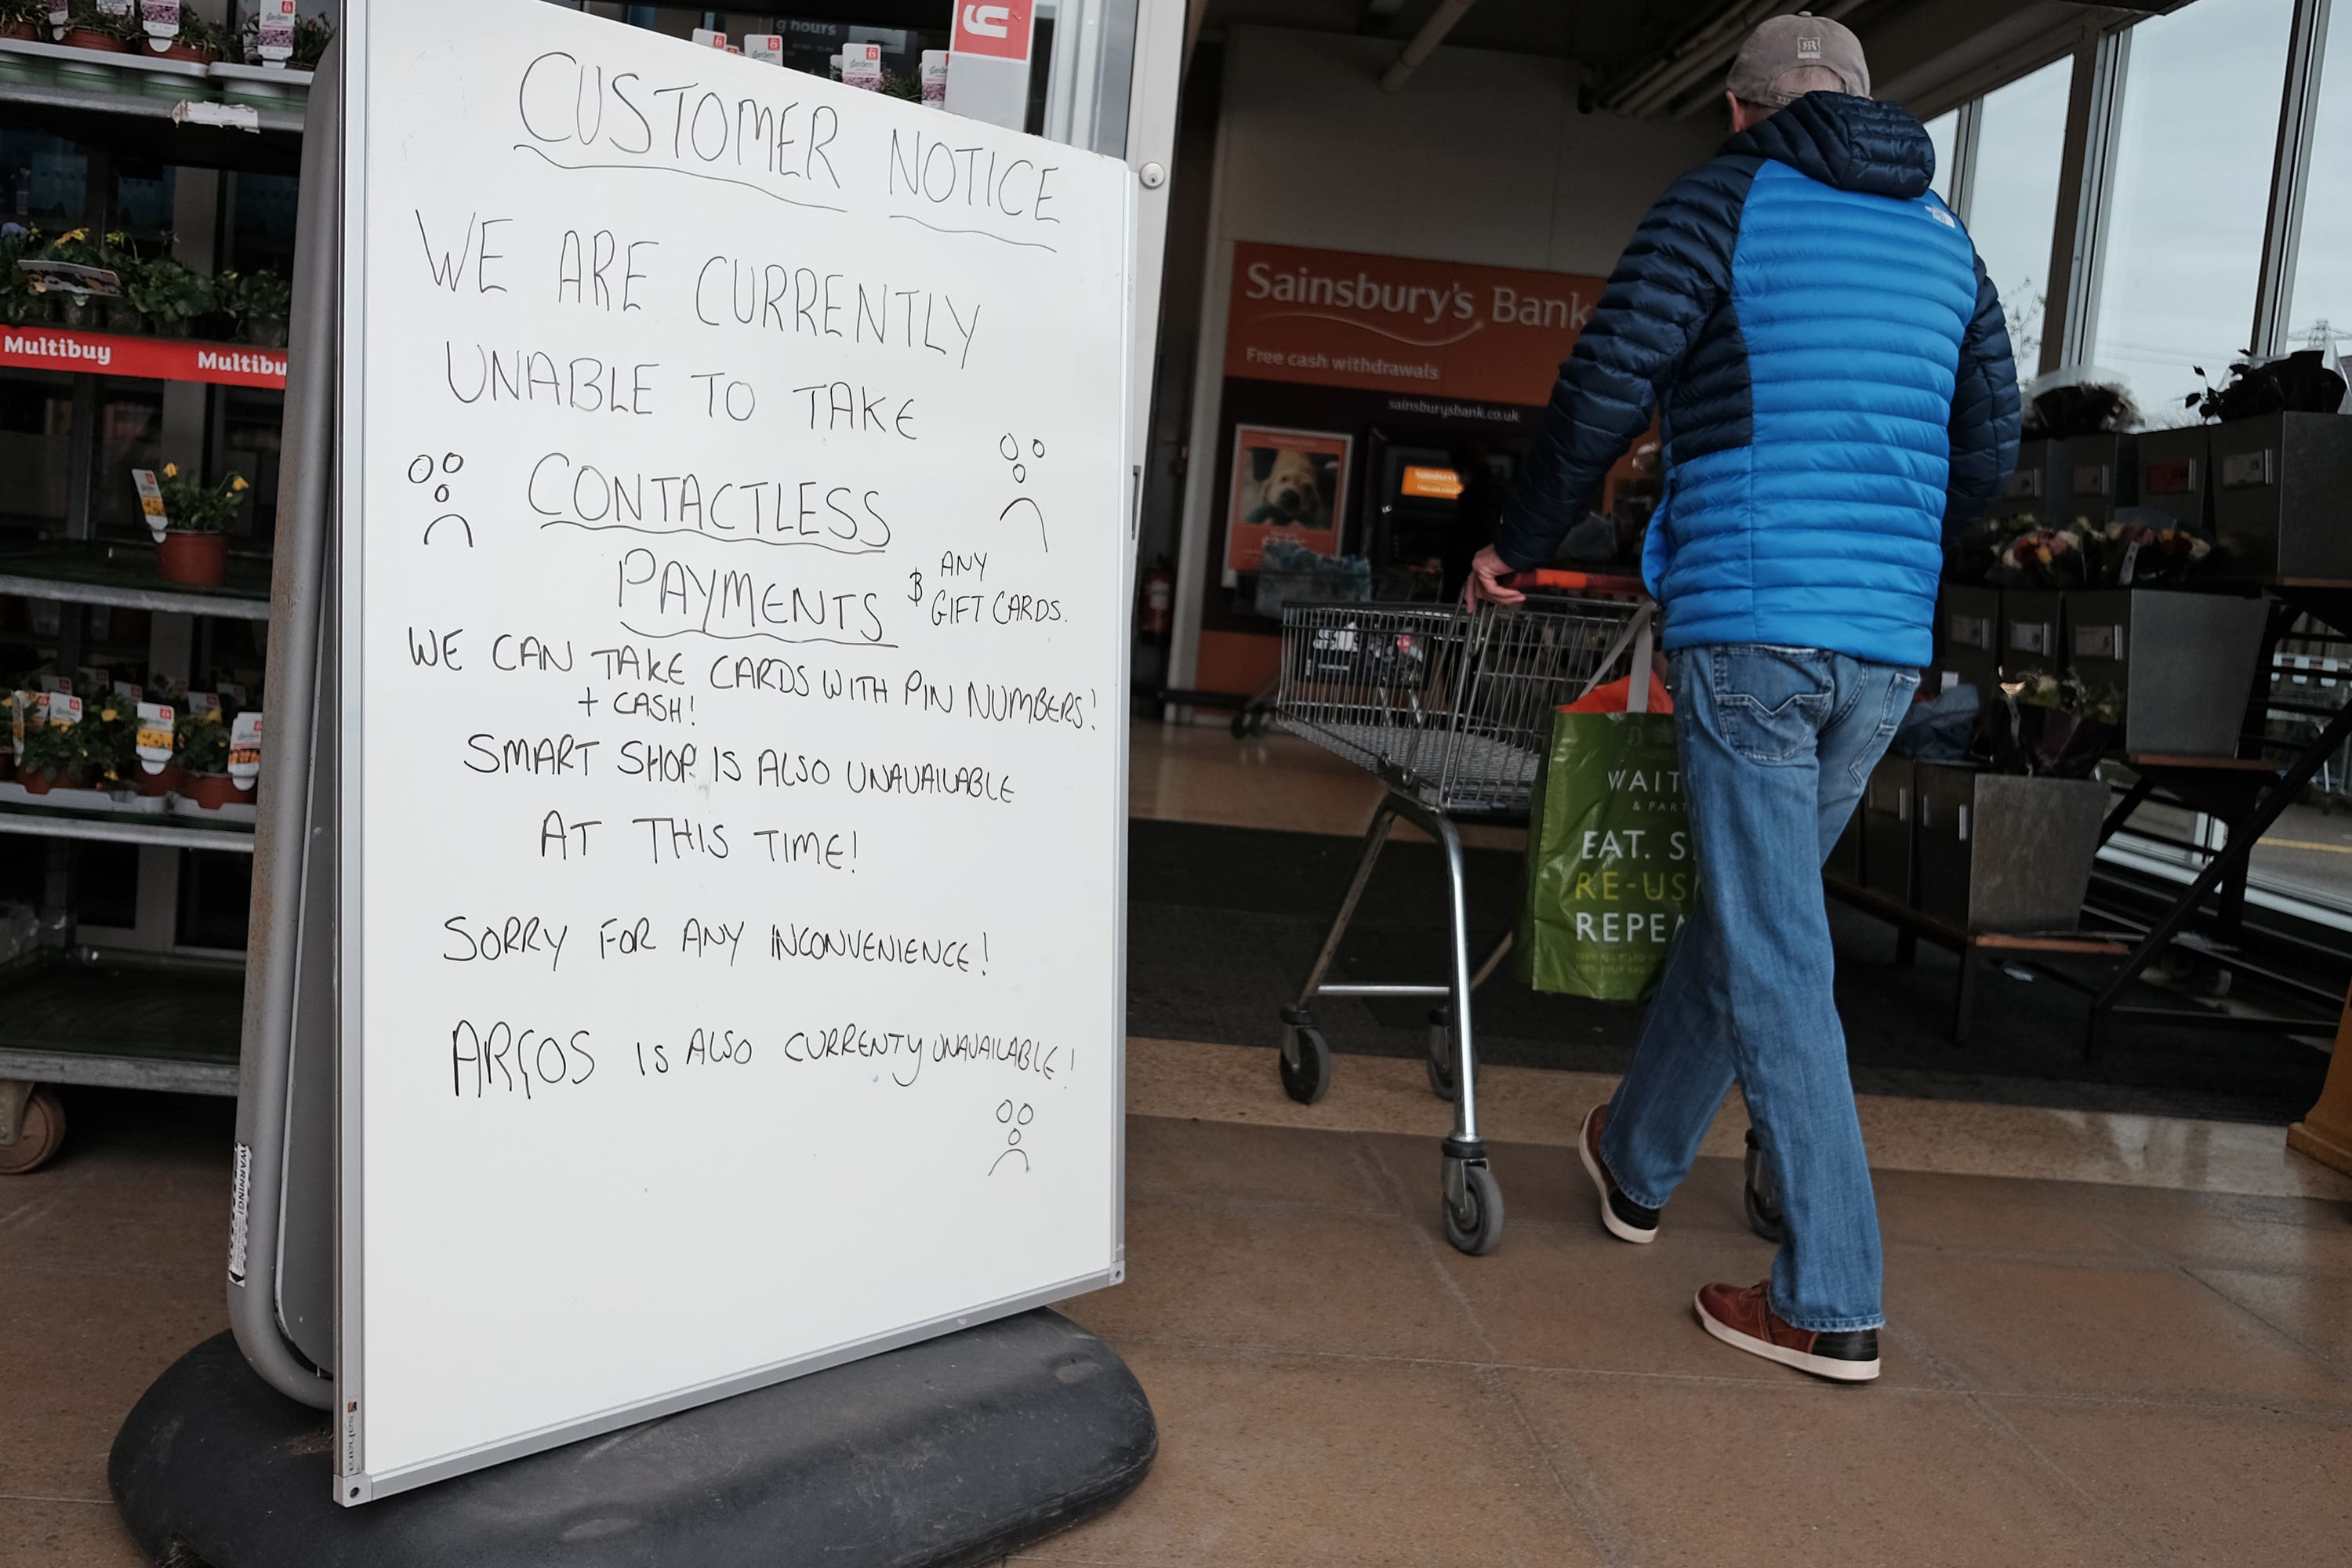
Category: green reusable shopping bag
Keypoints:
(1611, 872)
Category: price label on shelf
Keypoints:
(155, 736)
(245, 749)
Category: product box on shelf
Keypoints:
(2036, 482)
(2184, 662)
(1968, 634)
(1886, 829)
(2000, 852)
(2175, 474)
(2101, 475)
(2281, 487)
(2029, 621)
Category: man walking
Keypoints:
(1838, 398)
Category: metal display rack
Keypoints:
(2205, 918)
(130, 1006)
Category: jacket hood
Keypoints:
(1853, 143)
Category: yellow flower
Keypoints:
(236, 483)
(106, 715)
(69, 238)
(170, 471)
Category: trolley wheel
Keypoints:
(41, 1135)
(1477, 1228)
(1306, 1079)
(1439, 1060)
(1761, 1195)
(1241, 724)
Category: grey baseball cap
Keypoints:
(1786, 45)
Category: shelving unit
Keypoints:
(121, 575)
(140, 981)
(215, 99)
(122, 1021)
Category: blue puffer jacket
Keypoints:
(1838, 387)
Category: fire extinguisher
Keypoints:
(1158, 592)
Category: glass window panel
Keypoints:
(2013, 198)
(130, 436)
(36, 425)
(248, 425)
(143, 206)
(261, 223)
(2183, 252)
(44, 179)
(2319, 306)
(1944, 131)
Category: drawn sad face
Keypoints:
(1013, 1119)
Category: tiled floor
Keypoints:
(2077, 1372)
(2114, 1339)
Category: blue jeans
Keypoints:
(1776, 744)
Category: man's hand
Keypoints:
(1486, 574)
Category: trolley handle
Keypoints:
(1584, 581)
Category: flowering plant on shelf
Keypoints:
(191, 505)
(57, 750)
(168, 294)
(200, 741)
(88, 17)
(261, 302)
(110, 740)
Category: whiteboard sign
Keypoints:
(732, 626)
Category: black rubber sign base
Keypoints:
(959, 1449)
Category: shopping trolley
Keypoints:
(1453, 709)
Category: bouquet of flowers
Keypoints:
(2044, 558)
(1975, 554)
(2049, 726)
(2143, 555)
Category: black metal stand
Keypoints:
(1970, 948)
(956, 1450)
(2249, 799)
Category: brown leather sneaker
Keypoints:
(1745, 1319)
(1620, 1216)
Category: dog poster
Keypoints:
(1288, 484)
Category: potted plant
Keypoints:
(200, 750)
(53, 756)
(88, 27)
(201, 39)
(262, 301)
(23, 18)
(20, 302)
(169, 295)
(194, 547)
(70, 303)
(109, 740)
(311, 37)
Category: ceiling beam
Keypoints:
(1432, 33)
